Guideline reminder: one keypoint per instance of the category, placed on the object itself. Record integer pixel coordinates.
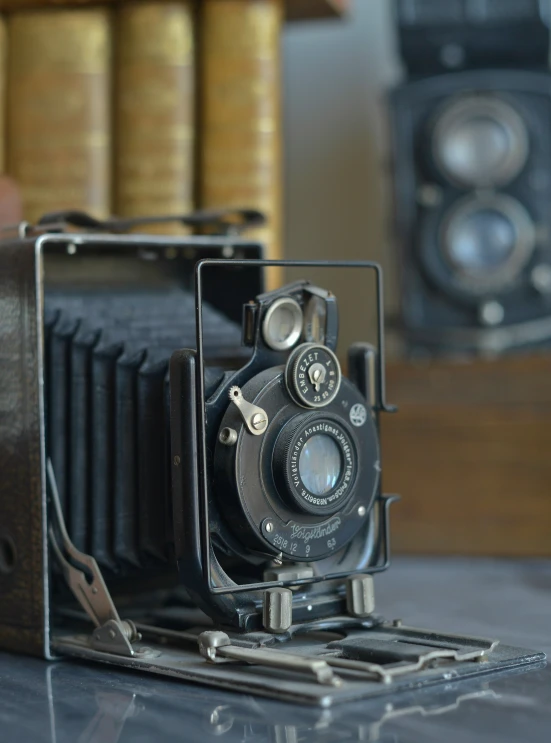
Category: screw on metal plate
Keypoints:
(227, 436)
(255, 418)
(491, 313)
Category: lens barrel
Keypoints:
(480, 141)
(306, 486)
(315, 464)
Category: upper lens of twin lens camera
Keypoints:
(480, 141)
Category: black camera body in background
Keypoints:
(436, 37)
(472, 162)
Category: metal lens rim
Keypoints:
(461, 112)
(298, 321)
(298, 433)
(331, 454)
(506, 273)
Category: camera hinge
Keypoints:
(111, 634)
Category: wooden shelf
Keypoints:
(300, 10)
(470, 452)
(295, 10)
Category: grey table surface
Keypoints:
(509, 600)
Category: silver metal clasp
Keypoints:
(255, 418)
(215, 646)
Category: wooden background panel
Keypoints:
(507, 380)
(470, 453)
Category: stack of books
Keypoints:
(136, 107)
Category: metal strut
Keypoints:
(112, 633)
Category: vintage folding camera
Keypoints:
(191, 485)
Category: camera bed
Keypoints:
(250, 672)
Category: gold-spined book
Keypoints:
(154, 109)
(59, 143)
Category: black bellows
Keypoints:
(107, 414)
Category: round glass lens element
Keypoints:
(480, 141)
(474, 148)
(282, 325)
(315, 318)
(320, 464)
(484, 243)
(481, 241)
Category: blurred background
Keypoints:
(412, 132)
(417, 133)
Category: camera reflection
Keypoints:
(122, 710)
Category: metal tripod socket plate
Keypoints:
(277, 609)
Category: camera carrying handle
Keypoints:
(211, 221)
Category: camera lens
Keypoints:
(487, 240)
(475, 148)
(320, 464)
(306, 486)
(315, 464)
(482, 241)
(282, 324)
(480, 142)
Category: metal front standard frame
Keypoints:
(382, 502)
